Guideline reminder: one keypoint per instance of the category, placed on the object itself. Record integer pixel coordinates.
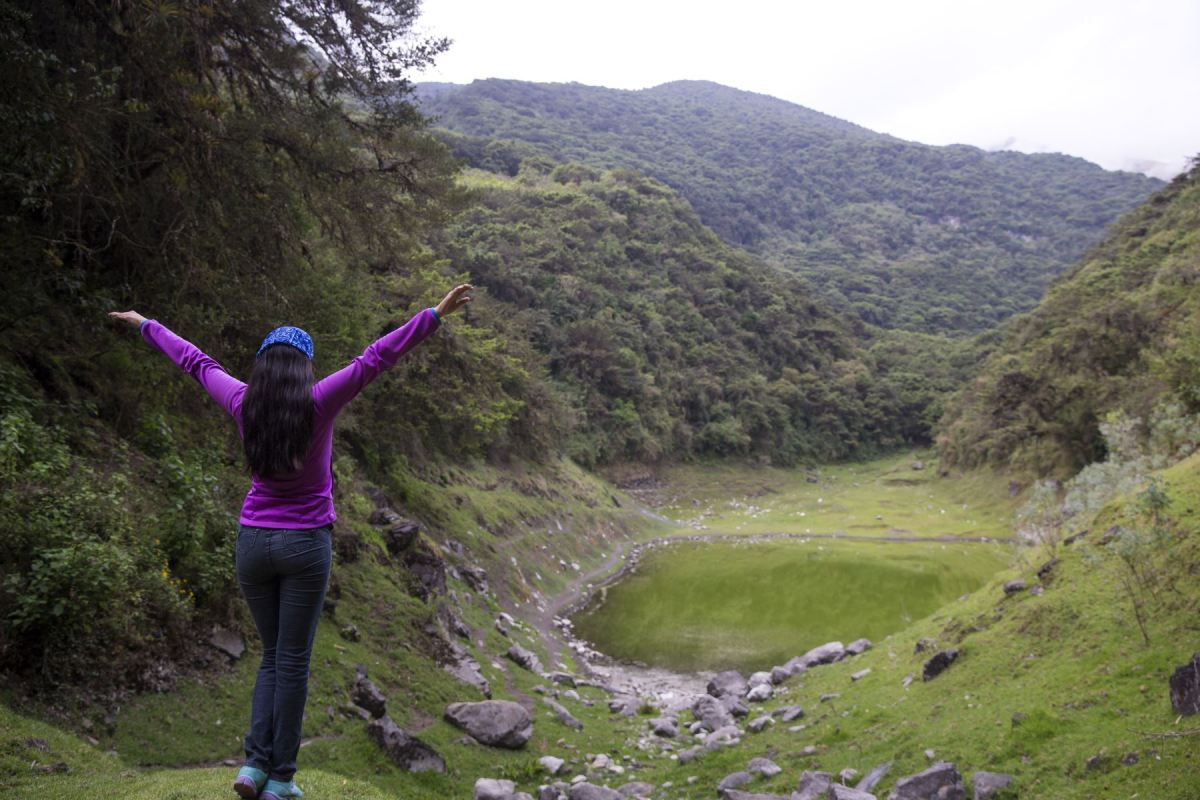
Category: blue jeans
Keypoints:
(283, 574)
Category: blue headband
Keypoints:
(295, 337)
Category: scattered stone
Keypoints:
(366, 694)
(930, 755)
(227, 641)
(858, 647)
(734, 705)
(839, 792)
(349, 633)
(940, 782)
(637, 789)
(924, 645)
(711, 712)
(561, 678)
(464, 667)
(499, 723)
(428, 570)
(862, 673)
(759, 725)
(1099, 762)
(525, 658)
(937, 665)
(847, 775)
(825, 654)
(872, 778)
(1044, 573)
(551, 764)
(908, 679)
(587, 791)
(1129, 759)
(1185, 688)
(406, 751)
(987, 784)
(501, 626)
(1070, 540)
(401, 536)
(34, 743)
(789, 713)
(758, 679)
(813, 786)
(1037, 591)
(760, 693)
(1012, 587)
(918, 465)
(764, 766)
(728, 682)
(494, 789)
(735, 780)
(825, 698)
(563, 716)
(624, 705)
(665, 727)
(384, 516)
(811, 479)
(810, 750)
(475, 577)
(780, 674)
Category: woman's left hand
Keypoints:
(132, 317)
(455, 299)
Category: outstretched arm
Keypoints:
(219, 384)
(334, 391)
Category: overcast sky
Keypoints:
(1116, 82)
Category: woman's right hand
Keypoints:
(132, 317)
(455, 299)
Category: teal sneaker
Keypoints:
(278, 790)
(249, 782)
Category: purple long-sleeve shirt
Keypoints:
(305, 498)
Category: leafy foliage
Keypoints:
(1115, 334)
(933, 239)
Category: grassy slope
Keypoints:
(1070, 660)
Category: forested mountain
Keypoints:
(1116, 334)
(663, 341)
(935, 239)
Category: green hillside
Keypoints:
(904, 235)
(1116, 334)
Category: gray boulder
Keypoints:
(588, 791)
(937, 665)
(494, 789)
(366, 694)
(551, 764)
(758, 678)
(561, 678)
(780, 674)
(759, 724)
(405, 751)
(525, 658)
(625, 705)
(228, 642)
(563, 715)
(738, 794)
(813, 786)
(839, 792)
(873, 777)
(1012, 587)
(728, 682)
(987, 784)
(789, 713)
(475, 577)
(665, 727)
(858, 647)
(1185, 688)
(940, 782)
(636, 789)
(760, 693)
(711, 713)
(734, 705)
(764, 766)
(499, 723)
(734, 780)
(825, 654)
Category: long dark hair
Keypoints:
(277, 412)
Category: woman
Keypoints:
(283, 547)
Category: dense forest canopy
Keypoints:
(908, 236)
(1116, 335)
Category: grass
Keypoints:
(722, 605)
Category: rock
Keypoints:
(624, 705)
(825, 698)
(734, 705)
(464, 667)
(1099, 762)
(401, 536)
(475, 577)
(734, 780)
(780, 674)
(758, 679)
(813, 786)
(499, 723)
(405, 751)
(811, 479)
(862, 673)
(366, 694)
(711, 712)
(937, 665)
(1037, 591)
(987, 784)
(525, 658)
(873, 777)
(918, 465)
(825, 654)
(587, 791)
(1044, 573)
(384, 516)
(494, 789)
(1129, 759)
(691, 754)
(728, 682)
(1185, 688)
(1012, 587)
(930, 755)
(789, 713)
(501, 626)
(561, 678)
(563, 715)
(665, 727)
(839, 792)
(728, 735)
(847, 775)
(551, 764)
(764, 766)
(457, 626)
(636, 789)
(760, 724)
(760, 693)
(428, 571)
(924, 645)
(1070, 540)
(227, 641)
(908, 679)
(939, 782)
(349, 633)
(858, 647)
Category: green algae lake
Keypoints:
(767, 570)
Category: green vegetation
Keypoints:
(903, 235)
(1115, 336)
(750, 606)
